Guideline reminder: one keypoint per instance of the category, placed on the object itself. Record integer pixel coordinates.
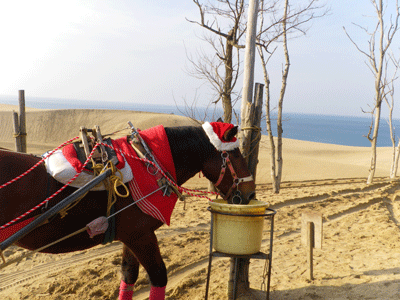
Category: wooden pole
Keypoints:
(256, 134)
(22, 120)
(16, 132)
(311, 237)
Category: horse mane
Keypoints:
(185, 139)
(189, 144)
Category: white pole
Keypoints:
(248, 74)
(242, 272)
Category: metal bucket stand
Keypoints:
(260, 255)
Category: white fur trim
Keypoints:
(61, 170)
(214, 139)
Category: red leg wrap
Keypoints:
(157, 293)
(125, 291)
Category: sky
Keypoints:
(135, 51)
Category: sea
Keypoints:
(339, 130)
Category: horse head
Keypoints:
(228, 168)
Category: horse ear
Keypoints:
(230, 134)
(220, 120)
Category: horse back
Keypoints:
(26, 192)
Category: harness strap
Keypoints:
(143, 153)
(236, 180)
(246, 179)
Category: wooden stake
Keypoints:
(256, 134)
(16, 132)
(311, 236)
(310, 247)
(22, 120)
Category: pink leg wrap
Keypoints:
(157, 293)
(125, 291)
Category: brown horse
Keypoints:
(192, 152)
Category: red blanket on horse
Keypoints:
(143, 183)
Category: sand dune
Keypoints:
(358, 260)
(47, 129)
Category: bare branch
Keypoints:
(355, 44)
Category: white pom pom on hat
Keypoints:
(215, 132)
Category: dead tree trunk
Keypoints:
(396, 161)
(395, 150)
(374, 141)
(276, 156)
(378, 94)
(227, 87)
(285, 74)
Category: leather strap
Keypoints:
(141, 152)
(226, 162)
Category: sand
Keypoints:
(359, 256)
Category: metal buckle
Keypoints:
(224, 158)
(237, 196)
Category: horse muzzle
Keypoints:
(239, 198)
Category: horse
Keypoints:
(192, 152)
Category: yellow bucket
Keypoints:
(235, 234)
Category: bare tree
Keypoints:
(379, 43)
(388, 95)
(291, 22)
(222, 71)
(276, 153)
(225, 21)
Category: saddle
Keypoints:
(65, 163)
(85, 146)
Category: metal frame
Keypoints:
(260, 255)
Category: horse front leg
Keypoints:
(130, 272)
(147, 252)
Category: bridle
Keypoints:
(237, 195)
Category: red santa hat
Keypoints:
(215, 132)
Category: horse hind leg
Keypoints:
(130, 272)
(147, 252)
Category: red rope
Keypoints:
(52, 196)
(37, 164)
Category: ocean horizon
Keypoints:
(329, 129)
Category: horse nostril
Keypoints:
(252, 195)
